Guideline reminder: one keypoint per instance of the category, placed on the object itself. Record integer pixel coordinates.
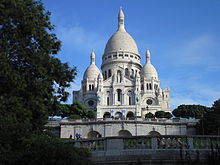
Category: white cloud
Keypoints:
(200, 51)
(76, 38)
(179, 99)
(191, 90)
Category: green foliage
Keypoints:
(81, 110)
(32, 79)
(74, 117)
(159, 114)
(42, 150)
(190, 111)
(167, 115)
(64, 110)
(210, 123)
(75, 111)
(149, 115)
(162, 114)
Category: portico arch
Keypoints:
(93, 134)
(118, 115)
(154, 133)
(124, 133)
(107, 115)
(130, 114)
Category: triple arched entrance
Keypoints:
(119, 115)
(124, 133)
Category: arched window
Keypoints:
(150, 86)
(108, 99)
(105, 75)
(126, 72)
(119, 94)
(108, 103)
(92, 87)
(147, 86)
(132, 73)
(129, 98)
(142, 87)
(109, 73)
(119, 76)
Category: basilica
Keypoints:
(122, 88)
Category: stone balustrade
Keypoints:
(150, 142)
(156, 150)
(159, 120)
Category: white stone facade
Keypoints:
(140, 127)
(123, 87)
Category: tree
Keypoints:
(210, 123)
(45, 150)
(32, 79)
(74, 111)
(64, 110)
(159, 114)
(190, 111)
(162, 114)
(149, 115)
(167, 115)
(81, 110)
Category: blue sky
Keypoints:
(182, 35)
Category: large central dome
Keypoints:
(121, 41)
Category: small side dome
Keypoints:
(92, 72)
(148, 71)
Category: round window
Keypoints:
(149, 101)
(90, 102)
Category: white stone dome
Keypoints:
(92, 72)
(121, 41)
(148, 71)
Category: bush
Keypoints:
(167, 115)
(149, 115)
(159, 114)
(74, 117)
(44, 150)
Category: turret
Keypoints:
(148, 71)
(92, 57)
